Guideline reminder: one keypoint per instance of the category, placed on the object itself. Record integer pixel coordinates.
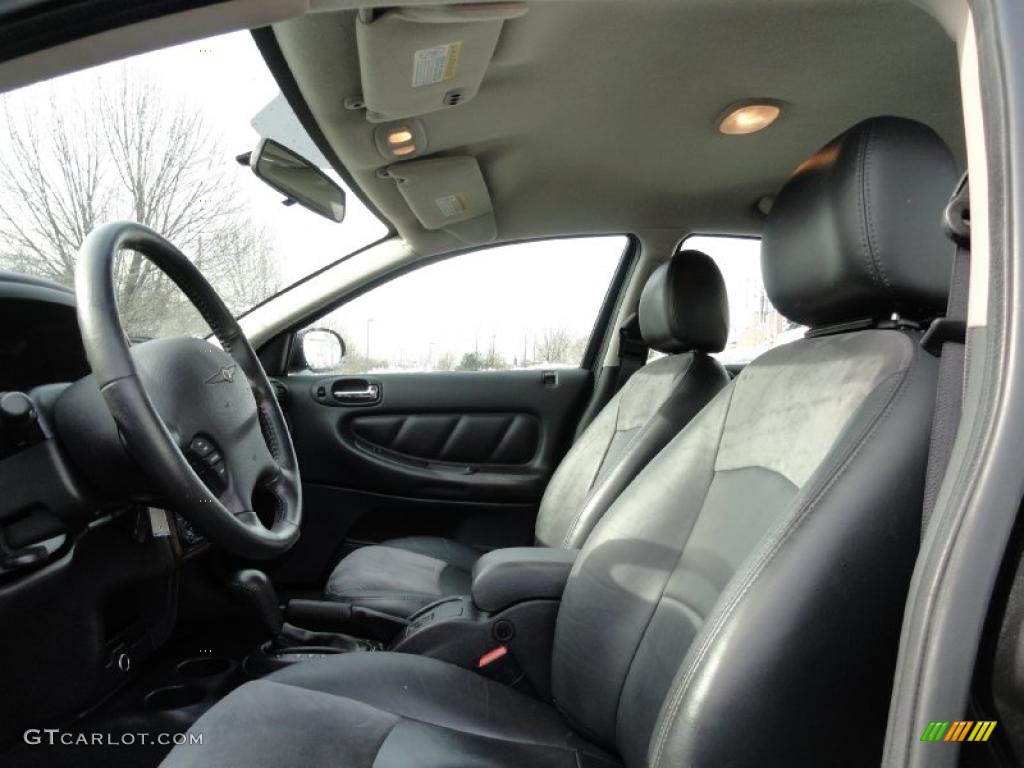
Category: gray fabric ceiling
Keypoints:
(599, 116)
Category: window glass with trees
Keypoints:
(526, 305)
(155, 138)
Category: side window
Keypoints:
(525, 305)
(754, 324)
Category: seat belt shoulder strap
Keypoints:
(946, 337)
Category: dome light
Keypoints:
(748, 118)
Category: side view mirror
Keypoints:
(322, 349)
(297, 179)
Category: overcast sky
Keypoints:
(509, 296)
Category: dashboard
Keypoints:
(73, 564)
(39, 338)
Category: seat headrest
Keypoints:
(684, 306)
(856, 232)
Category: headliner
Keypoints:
(600, 116)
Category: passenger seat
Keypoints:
(684, 313)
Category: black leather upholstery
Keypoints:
(655, 403)
(386, 710)
(402, 577)
(505, 577)
(684, 306)
(852, 234)
(474, 438)
(757, 567)
(739, 604)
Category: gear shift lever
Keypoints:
(255, 588)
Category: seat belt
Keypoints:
(632, 350)
(632, 357)
(946, 338)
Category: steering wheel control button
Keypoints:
(201, 447)
(220, 471)
(208, 463)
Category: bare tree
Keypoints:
(578, 349)
(131, 153)
(554, 346)
(52, 197)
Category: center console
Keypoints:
(503, 629)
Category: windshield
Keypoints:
(155, 138)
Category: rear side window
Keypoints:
(755, 326)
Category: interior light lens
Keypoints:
(401, 139)
(749, 118)
(400, 136)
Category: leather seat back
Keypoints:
(684, 312)
(740, 603)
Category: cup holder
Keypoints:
(204, 666)
(175, 696)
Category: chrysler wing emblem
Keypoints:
(226, 375)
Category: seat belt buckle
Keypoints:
(492, 656)
(500, 665)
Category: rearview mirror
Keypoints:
(322, 349)
(297, 179)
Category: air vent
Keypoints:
(453, 98)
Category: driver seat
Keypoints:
(740, 603)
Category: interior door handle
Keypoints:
(368, 394)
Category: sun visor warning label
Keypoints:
(436, 65)
(451, 205)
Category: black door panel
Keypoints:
(484, 436)
(459, 438)
(461, 455)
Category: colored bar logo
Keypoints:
(958, 730)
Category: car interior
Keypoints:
(628, 385)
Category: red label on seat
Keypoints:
(492, 656)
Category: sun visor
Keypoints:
(448, 193)
(418, 60)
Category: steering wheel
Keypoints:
(202, 422)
